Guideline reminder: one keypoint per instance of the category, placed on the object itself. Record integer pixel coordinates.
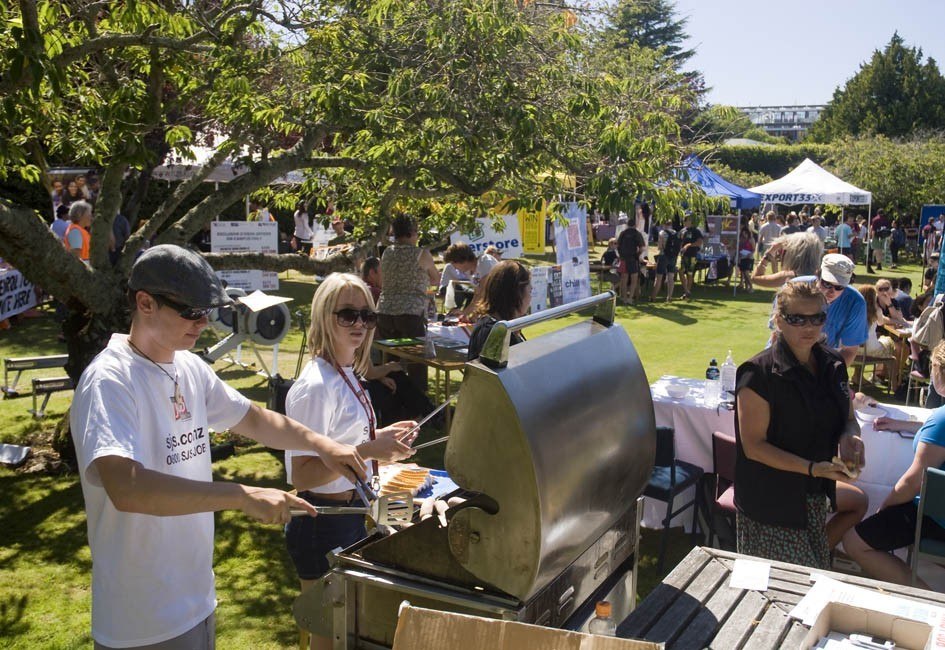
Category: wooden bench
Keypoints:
(46, 387)
(20, 364)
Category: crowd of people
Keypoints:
(798, 445)
(798, 448)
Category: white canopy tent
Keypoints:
(811, 183)
(178, 168)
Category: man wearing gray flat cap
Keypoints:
(141, 418)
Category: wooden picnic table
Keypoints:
(445, 361)
(695, 608)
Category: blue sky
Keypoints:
(797, 52)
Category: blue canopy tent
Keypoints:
(714, 185)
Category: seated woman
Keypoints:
(460, 268)
(889, 306)
(875, 346)
(506, 293)
(893, 526)
(328, 397)
(793, 412)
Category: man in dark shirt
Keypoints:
(630, 244)
(793, 225)
(691, 238)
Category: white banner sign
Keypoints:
(16, 293)
(246, 237)
(571, 249)
(509, 241)
(251, 280)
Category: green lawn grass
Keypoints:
(45, 563)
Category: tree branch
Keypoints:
(342, 261)
(166, 210)
(32, 248)
(107, 206)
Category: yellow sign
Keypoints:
(532, 227)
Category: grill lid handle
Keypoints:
(495, 352)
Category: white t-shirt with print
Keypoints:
(321, 400)
(152, 577)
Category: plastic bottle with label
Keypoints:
(727, 375)
(713, 385)
(602, 624)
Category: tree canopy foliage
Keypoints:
(438, 107)
(895, 94)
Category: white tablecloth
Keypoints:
(888, 454)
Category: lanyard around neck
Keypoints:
(365, 402)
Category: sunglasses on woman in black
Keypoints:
(798, 320)
(348, 317)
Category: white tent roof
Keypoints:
(178, 168)
(811, 183)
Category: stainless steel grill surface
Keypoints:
(552, 441)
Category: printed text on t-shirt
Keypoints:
(193, 442)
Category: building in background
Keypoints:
(791, 122)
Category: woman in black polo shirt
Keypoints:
(794, 411)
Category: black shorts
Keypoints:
(311, 539)
(746, 264)
(665, 265)
(689, 263)
(894, 528)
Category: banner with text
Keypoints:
(16, 293)
(571, 249)
(532, 226)
(509, 241)
(546, 287)
(246, 237)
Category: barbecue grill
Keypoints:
(552, 443)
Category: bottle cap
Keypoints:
(603, 608)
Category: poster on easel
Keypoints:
(721, 240)
(572, 253)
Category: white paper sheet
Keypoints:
(750, 574)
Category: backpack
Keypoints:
(929, 327)
(672, 245)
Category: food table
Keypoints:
(449, 357)
(888, 453)
(695, 606)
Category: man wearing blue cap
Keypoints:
(141, 421)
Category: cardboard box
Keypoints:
(428, 629)
(838, 617)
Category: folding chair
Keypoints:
(862, 360)
(671, 477)
(931, 504)
(721, 513)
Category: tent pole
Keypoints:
(738, 235)
(869, 232)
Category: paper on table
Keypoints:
(750, 574)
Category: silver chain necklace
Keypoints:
(176, 396)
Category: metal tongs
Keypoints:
(392, 509)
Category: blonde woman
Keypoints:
(328, 396)
(793, 416)
(799, 254)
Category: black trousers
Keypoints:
(407, 402)
(397, 326)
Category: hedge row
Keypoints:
(774, 161)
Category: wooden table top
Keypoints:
(446, 359)
(695, 608)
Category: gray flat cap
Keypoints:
(179, 274)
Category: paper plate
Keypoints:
(870, 413)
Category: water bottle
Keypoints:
(429, 349)
(727, 374)
(713, 388)
(602, 624)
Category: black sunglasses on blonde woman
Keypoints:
(348, 317)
